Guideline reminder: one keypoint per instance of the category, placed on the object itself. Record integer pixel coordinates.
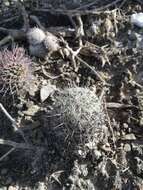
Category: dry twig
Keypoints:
(15, 125)
(17, 145)
(48, 75)
(91, 68)
(78, 11)
(13, 34)
(6, 154)
(74, 56)
(9, 20)
(37, 21)
(108, 119)
(87, 5)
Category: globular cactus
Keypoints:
(78, 120)
(15, 71)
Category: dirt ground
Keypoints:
(73, 119)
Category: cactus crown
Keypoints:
(79, 118)
(15, 70)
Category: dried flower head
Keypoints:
(42, 44)
(15, 71)
(35, 36)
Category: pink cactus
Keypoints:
(15, 71)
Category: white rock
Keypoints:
(46, 91)
(137, 19)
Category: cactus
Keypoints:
(78, 120)
(15, 71)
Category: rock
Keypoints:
(127, 147)
(46, 91)
(137, 19)
(129, 137)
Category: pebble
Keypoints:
(129, 137)
(127, 147)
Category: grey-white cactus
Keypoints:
(79, 119)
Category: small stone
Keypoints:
(127, 147)
(129, 137)
(125, 125)
(46, 91)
